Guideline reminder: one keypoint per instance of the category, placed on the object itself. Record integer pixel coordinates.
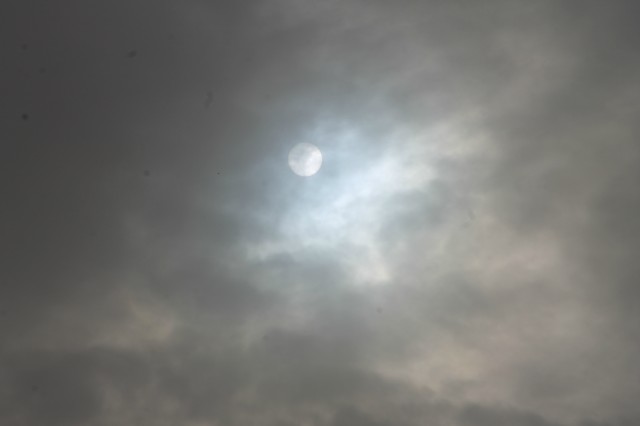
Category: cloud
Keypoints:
(466, 256)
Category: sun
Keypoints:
(305, 159)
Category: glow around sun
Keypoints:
(305, 159)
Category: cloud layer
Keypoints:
(466, 256)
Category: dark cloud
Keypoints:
(481, 416)
(465, 257)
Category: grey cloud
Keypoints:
(465, 257)
(480, 416)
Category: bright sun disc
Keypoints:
(305, 159)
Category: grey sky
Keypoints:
(466, 256)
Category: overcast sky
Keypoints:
(468, 254)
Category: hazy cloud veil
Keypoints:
(466, 256)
